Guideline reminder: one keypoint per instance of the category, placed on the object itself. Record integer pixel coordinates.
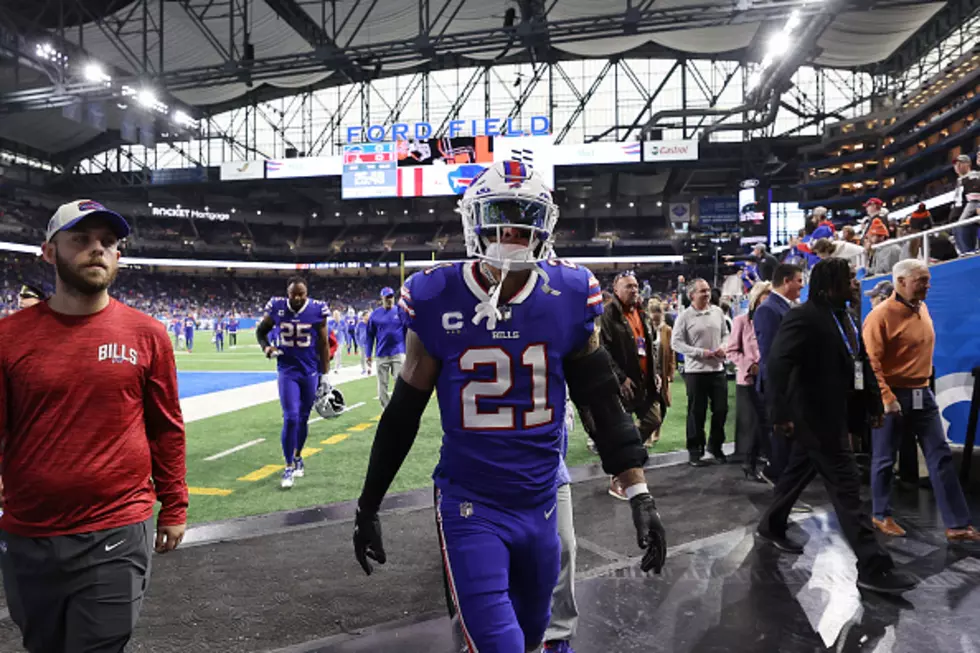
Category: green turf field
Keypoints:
(247, 482)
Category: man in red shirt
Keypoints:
(92, 437)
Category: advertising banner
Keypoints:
(657, 151)
(239, 170)
(314, 166)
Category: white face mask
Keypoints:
(517, 255)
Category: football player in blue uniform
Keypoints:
(232, 322)
(219, 333)
(351, 321)
(498, 338)
(190, 324)
(303, 360)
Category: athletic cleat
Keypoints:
(299, 471)
(287, 478)
(557, 646)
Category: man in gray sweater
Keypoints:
(699, 334)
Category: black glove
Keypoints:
(367, 540)
(650, 533)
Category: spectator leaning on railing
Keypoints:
(966, 204)
(882, 259)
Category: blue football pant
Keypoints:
(219, 342)
(189, 339)
(296, 394)
(501, 568)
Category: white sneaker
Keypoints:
(300, 470)
(287, 479)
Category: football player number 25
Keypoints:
(534, 357)
(293, 334)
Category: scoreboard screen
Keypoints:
(370, 170)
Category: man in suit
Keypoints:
(787, 281)
(820, 387)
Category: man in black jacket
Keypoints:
(626, 336)
(820, 388)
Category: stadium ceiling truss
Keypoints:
(586, 101)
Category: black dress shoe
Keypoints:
(781, 542)
(888, 581)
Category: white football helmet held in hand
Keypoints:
(329, 402)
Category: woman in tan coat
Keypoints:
(666, 360)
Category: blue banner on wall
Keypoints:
(954, 306)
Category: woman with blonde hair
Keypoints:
(743, 350)
(661, 333)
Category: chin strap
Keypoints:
(488, 309)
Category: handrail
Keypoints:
(924, 235)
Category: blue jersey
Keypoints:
(386, 326)
(502, 392)
(233, 325)
(337, 329)
(189, 323)
(360, 333)
(298, 337)
(219, 327)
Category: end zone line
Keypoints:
(234, 449)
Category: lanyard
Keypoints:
(847, 343)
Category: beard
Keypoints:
(74, 277)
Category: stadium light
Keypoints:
(259, 212)
(754, 80)
(181, 119)
(608, 205)
(233, 209)
(778, 44)
(314, 214)
(406, 212)
(336, 214)
(206, 208)
(660, 203)
(178, 206)
(146, 98)
(431, 211)
(581, 206)
(47, 52)
(793, 22)
(150, 204)
(360, 213)
(93, 72)
(631, 204)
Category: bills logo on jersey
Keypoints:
(118, 353)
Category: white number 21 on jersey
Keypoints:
(503, 418)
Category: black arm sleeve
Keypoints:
(262, 337)
(393, 440)
(593, 387)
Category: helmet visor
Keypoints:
(518, 212)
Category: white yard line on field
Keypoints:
(234, 449)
